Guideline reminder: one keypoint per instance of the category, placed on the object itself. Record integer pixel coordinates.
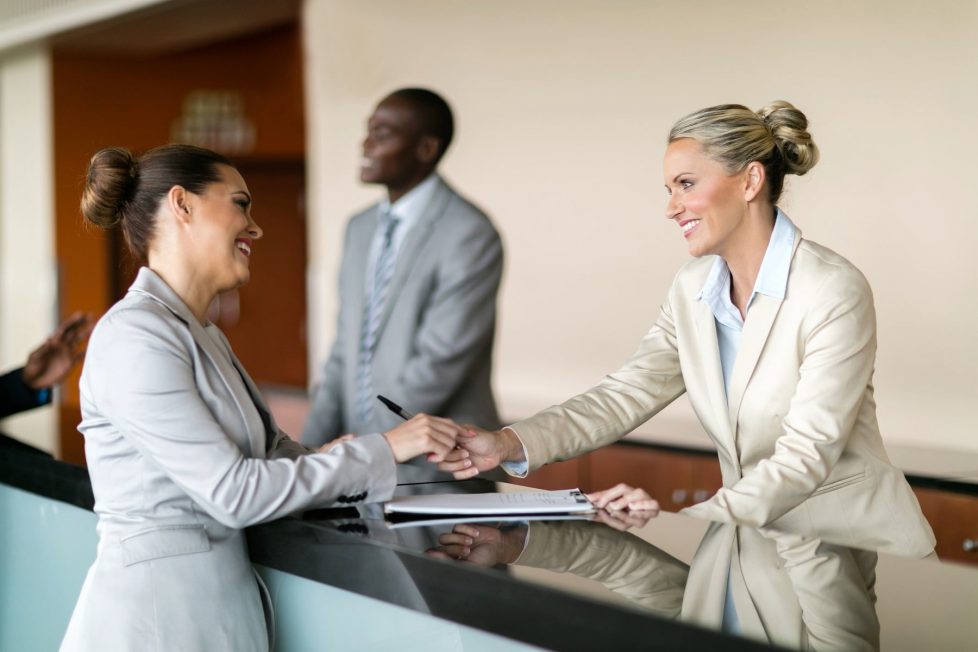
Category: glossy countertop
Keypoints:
(535, 579)
(602, 582)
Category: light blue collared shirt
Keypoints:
(408, 210)
(772, 280)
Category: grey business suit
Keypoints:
(434, 348)
(182, 454)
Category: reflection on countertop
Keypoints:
(788, 590)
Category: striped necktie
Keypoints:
(373, 309)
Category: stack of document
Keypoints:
(567, 501)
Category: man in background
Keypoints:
(418, 283)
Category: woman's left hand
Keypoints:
(623, 497)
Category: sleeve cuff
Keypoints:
(518, 469)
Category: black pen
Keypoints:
(395, 408)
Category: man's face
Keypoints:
(392, 152)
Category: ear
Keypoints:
(179, 200)
(754, 177)
(427, 150)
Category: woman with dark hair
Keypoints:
(181, 449)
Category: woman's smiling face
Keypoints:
(705, 201)
(225, 233)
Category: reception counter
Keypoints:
(349, 579)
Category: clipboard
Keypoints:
(523, 503)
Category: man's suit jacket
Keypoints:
(183, 454)
(797, 437)
(435, 340)
(15, 395)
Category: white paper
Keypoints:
(566, 501)
(455, 519)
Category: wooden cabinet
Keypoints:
(679, 478)
(676, 479)
(954, 517)
(559, 475)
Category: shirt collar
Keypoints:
(412, 205)
(772, 278)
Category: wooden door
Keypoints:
(265, 320)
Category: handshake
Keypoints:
(464, 451)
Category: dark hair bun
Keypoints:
(789, 127)
(109, 187)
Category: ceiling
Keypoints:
(176, 26)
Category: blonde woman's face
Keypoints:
(705, 202)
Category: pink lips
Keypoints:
(682, 224)
(247, 242)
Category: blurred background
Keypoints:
(562, 111)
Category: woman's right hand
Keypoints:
(423, 435)
(482, 545)
(482, 450)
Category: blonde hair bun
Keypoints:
(789, 128)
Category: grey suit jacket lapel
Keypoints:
(268, 421)
(149, 283)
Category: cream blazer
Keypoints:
(183, 454)
(798, 441)
(795, 593)
(787, 591)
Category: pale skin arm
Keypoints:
(425, 435)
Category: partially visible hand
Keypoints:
(50, 363)
(482, 450)
(423, 435)
(339, 440)
(481, 545)
(623, 497)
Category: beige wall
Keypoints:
(27, 268)
(563, 108)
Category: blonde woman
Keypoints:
(772, 337)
